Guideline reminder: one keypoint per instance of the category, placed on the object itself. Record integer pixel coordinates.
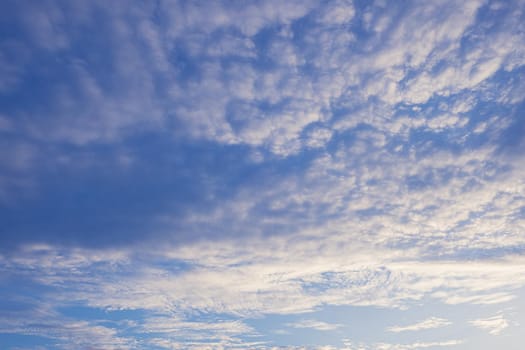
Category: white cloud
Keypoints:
(253, 277)
(314, 324)
(446, 121)
(493, 325)
(349, 345)
(433, 322)
(65, 333)
(318, 137)
(408, 60)
(420, 345)
(268, 276)
(249, 19)
(337, 12)
(382, 219)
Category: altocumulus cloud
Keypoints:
(197, 175)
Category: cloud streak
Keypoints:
(433, 322)
(316, 325)
(493, 325)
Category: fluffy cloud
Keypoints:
(195, 88)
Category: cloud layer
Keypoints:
(227, 175)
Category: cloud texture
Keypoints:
(261, 174)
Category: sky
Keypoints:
(268, 175)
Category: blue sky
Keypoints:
(317, 175)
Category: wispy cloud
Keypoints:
(433, 322)
(261, 277)
(314, 324)
(419, 345)
(494, 325)
(349, 345)
(68, 333)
